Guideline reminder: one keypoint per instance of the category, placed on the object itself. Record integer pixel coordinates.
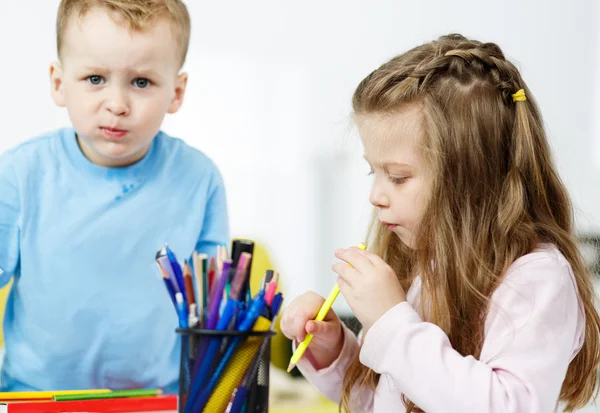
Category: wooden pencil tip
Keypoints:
(290, 367)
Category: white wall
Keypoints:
(269, 101)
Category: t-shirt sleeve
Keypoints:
(9, 219)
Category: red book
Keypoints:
(118, 405)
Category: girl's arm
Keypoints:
(534, 329)
(328, 380)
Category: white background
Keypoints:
(269, 101)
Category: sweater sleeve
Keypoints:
(329, 379)
(533, 330)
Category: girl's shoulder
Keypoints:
(540, 279)
(543, 268)
(543, 255)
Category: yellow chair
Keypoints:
(281, 348)
(261, 262)
(4, 291)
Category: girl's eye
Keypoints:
(371, 172)
(95, 80)
(397, 180)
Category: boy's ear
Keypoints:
(56, 84)
(180, 85)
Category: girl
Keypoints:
(475, 297)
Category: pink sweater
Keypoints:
(534, 329)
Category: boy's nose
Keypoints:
(117, 104)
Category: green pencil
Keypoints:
(112, 395)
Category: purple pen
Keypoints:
(217, 295)
(213, 316)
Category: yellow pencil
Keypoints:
(320, 316)
(45, 395)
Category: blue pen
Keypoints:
(276, 305)
(226, 319)
(240, 394)
(240, 318)
(182, 311)
(168, 284)
(215, 343)
(238, 398)
(177, 271)
(249, 294)
(254, 312)
(170, 291)
(165, 265)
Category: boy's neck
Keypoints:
(106, 162)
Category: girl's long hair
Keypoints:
(495, 196)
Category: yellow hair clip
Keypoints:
(519, 96)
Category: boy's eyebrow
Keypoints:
(141, 72)
(147, 72)
(94, 68)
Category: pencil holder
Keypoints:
(238, 379)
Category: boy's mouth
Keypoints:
(113, 133)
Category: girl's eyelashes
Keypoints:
(396, 180)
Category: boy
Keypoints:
(83, 210)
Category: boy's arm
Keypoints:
(329, 380)
(215, 229)
(9, 219)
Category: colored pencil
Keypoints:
(189, 284)
(45, 395)
(110, 395)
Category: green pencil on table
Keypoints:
(110, 395)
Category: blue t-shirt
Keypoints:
(88, 308)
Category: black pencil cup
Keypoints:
(247, 366)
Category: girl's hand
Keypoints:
(328, 340)
(370, 286)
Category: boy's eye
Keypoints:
(141, 82)
(95, 79)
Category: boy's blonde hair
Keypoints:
(136, 14)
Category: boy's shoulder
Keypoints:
(37, 143)
(183, 155)
(33, 150)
